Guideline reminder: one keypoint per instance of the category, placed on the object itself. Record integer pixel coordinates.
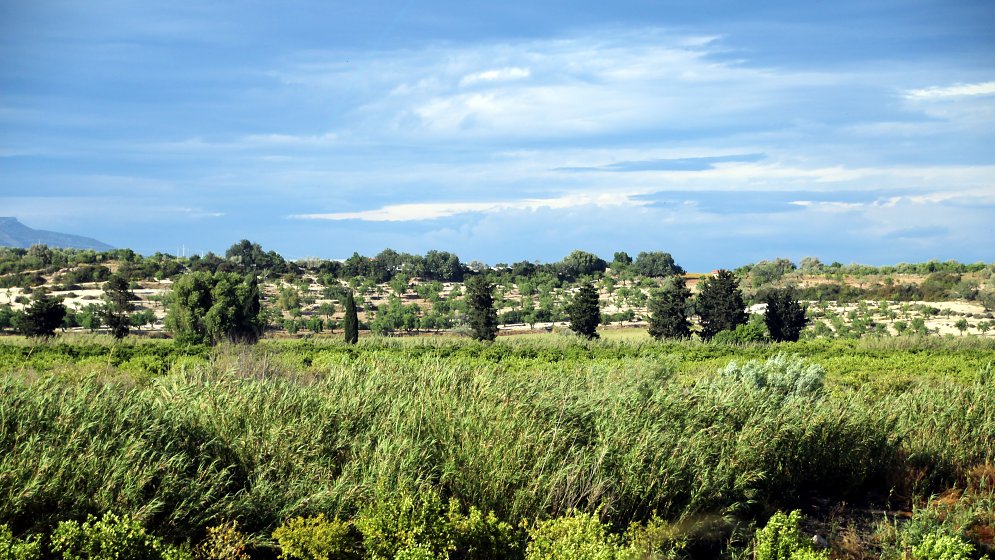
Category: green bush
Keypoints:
(12, 548)
(418, 552)
(783, 374)
(110, 538)
(577, 536)
(224, 542)
(658, 539)
(940, 545)
(781, 539)
(316, 538)
(390, 525)
(421, 523)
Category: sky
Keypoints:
(721, 131)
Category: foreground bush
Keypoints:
(111, 537)
(781, 539)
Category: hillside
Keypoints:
(15, 234)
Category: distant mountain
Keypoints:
(15, 234)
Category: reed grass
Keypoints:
(527, 429)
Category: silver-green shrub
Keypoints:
(783, 374)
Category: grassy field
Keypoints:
(697, 442)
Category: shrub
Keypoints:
(418, 552)
(940, 545)
(12, 548)
(390, 525)
(783, 374)
(223, 542)
(110, 538)
(422, 523)
(656, 540)
(577, 536)
(781, 539)
(316, 538)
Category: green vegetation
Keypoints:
(482, 317)
(208, 308)
(668, 310)
(720, 304)
(546, 447)
(43, 316)
(350, 322)
(584, 311)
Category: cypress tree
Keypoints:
(350, 323)
(785, 316)
(668, 310)
(480, 308)
(720, 304)
(585, 314)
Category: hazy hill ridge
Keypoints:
(15, 234)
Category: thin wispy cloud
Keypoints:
(957, 90)
(435, 210)
(499, 75)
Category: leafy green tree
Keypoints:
(621, 260)
(962, 325)
(668, 309)
(117, 305)
(350, 323)
(43, 316)
(785, 317)
(208, 308)
(656, 264)
(720, 304)
(584, 312)
(482, 316)
(440, 265)
(142, 318)
(768, 272)
(6, 316)
(581, 263)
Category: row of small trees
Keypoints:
(720, 307)
(46, 313)
(210, 308)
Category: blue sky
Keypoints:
(723, 132)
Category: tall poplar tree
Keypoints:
(584, 311)
(350, 323)
(480, 308)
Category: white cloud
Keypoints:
(956, 90)
(498, 75)
(435, 210)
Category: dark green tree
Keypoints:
(668, 308)
(350, 323)
(584, 312)
(580, 263)
(43, 316)
(208, 308)
(480, 308)
(720, 304)
(656, 264)
(785, 316)
(117, 305)
(6, 316)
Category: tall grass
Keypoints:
(262, 434)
